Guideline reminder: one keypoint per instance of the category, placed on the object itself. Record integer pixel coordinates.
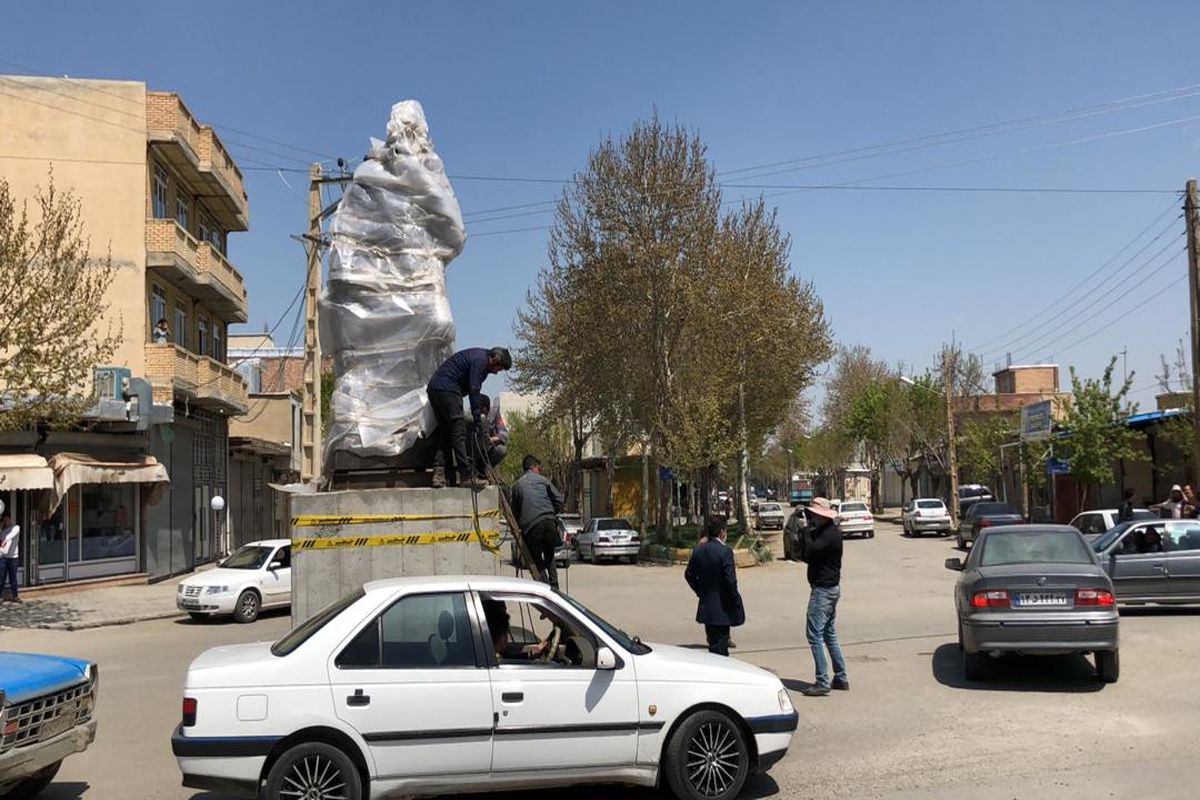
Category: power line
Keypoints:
(1022, 326)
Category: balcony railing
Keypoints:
(199, 265)
(174, 371)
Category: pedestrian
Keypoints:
(822, 551)
(536, 503)
(1172, 507)
(10, 552)
(493, 435)
(728, 509)
(461, 375)
(1125, 514)
(161, 334)
(713, 577)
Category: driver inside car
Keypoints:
(496, 614)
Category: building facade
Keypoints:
(159, 192)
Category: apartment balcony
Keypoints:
(196, 151)
(176, 373)
(197, 268)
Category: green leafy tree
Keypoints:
(538, 434)
(53, 296)
(979, 441)
(1097, 435)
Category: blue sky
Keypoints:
(526, 90)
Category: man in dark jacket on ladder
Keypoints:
(536, 503)
(713, 577)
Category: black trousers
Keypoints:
(451, 431)
(542, 541)
(718, 639)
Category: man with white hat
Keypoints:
(1172, 508)
(821, 549)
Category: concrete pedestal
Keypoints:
(341, 540)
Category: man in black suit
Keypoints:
(713, 577)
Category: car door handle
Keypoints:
(358, 699)
(512, 697)
(1160, 567)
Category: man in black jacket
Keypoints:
(822, 551)
(713, 577)
(536, 503)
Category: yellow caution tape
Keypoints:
(490, 540)
(326, 520)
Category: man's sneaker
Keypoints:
(732, 644)
(841, 686)
(815, 690)
(439, 478)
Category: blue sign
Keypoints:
(1058, 466)
(665, 474)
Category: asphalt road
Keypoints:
(910, 727)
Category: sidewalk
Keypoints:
(92, 608)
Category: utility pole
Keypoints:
(310, 470)
(1193, 249)
(948, 370)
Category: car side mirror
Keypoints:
(275, 565)
(605, 659)
(955, 564)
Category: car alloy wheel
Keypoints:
(708, 758)
(314, 771)
(247, 606)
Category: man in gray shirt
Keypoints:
(536, 504)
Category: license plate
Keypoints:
(59, 724)
(190, 604)
(1040, 599)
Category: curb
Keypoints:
(83, 626)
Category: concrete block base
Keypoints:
(343, 539)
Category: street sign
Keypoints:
(1036, 421)
(665, 474)
(1058, 466)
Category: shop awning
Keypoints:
(73, 468)
(25, 471)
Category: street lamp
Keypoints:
(952, 447)
(217, 504)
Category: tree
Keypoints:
(857, 405)
(979, 441)
(541, 435)
(50, 337)
(1097, 435)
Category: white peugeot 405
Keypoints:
(258, 575)
(443, 685)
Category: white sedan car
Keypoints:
(454, 684)
(608, 537)
(258, 575)
(855, 518)
(926, 514)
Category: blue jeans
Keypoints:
(8, 572)
(822, 611)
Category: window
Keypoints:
(1034, 547)
(158, 305)
(205, 227)
(216, 237)
(109, 512)
(284, 557)
(305, 630)
(202, 337)
(218, 341)
(1181, 536)
(181, 210)
(522, 628)
(181, 325)
(159, 193)
(423, 631)
(931, 504)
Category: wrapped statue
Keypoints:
(385, 317)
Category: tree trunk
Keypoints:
(610, 469)
(705, 498)
(645, 489)
(743, 462)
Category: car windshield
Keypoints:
(305, 630)
(1111, 535)
(1033, 547)
(854, 506)
(984, 509)
(613, 525)
(630, 643)
(248, 557)
(1140, 514)
(769, 507)
(930, 504)
(973, 491)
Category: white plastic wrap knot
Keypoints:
(385, 317)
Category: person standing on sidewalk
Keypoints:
(10, 544)
(536, 504)
(461, 375)
(713, 577)
(822, 551)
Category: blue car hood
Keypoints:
(26, 675)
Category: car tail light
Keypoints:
(189, 711)
(602, 539)
(985, 523)
(994, 598)
(1094, 597)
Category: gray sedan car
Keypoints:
(1035, 589)
(1153, 561)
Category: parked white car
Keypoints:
(456, 684)
(769, 515)
(258, 575)
(854, 517)
(608, 537)
(1097, 521)
(926, 514)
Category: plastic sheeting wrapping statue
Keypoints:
(385, 317)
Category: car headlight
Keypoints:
(785, 702)
(216, 590)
